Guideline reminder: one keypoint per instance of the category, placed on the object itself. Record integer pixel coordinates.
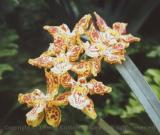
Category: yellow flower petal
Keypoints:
(42, 61)
(100, 22)
(31, 99)
(89, 110)
(82, 68)
(114, 59)
(74, 52)
(65, 28)
(120, 27)
(35, 116)
(82, 25)
(96, 87)
(61, 35)
(129, 38)
(115, 53)
(66, 80)
(53, 115)
(93, 50)
(80, 89)
(51, 50)
(52, 82)
(61, 99)
(55, 31)
(95, 66)
(60, 44)
(93, 34)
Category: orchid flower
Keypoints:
(79, 99)
(43, 107)
(58, 65)
(47, 106)
(115, 39)
(108, 42)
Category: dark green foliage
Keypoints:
(22, 37)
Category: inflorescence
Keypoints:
(81, 52)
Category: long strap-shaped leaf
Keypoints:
(141, 89)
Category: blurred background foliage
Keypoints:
(22, 37)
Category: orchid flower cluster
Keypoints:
(69, 53)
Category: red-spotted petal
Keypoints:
(53, 30)
(65, 28)
(94, 50)
(74, 52)
(42, 61)
(96, 87)
(61, 35)
(120, 27)
(35, 116)
(78, 100)
(82, 25)
(82, 68)
(66, 80)
(50, 51)
(60, 44)
(100, 22)
(53, 115)
(93, 34)
(95, 66)
(57, 30)
(52, 82)
(61, 99)
(89, 110)
(129, 38)
(31, 99)
(115, 54)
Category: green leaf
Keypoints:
(83, 130)
(133, 108)
(113, 110)
(153, 78)
(8, 47)
(154, 52)
(8, 133)
(153, 72)
(8, 52)
(156, 89)
(3, 68)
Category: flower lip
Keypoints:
(78, 101)
(61, 68)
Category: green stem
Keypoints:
(107, 128)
